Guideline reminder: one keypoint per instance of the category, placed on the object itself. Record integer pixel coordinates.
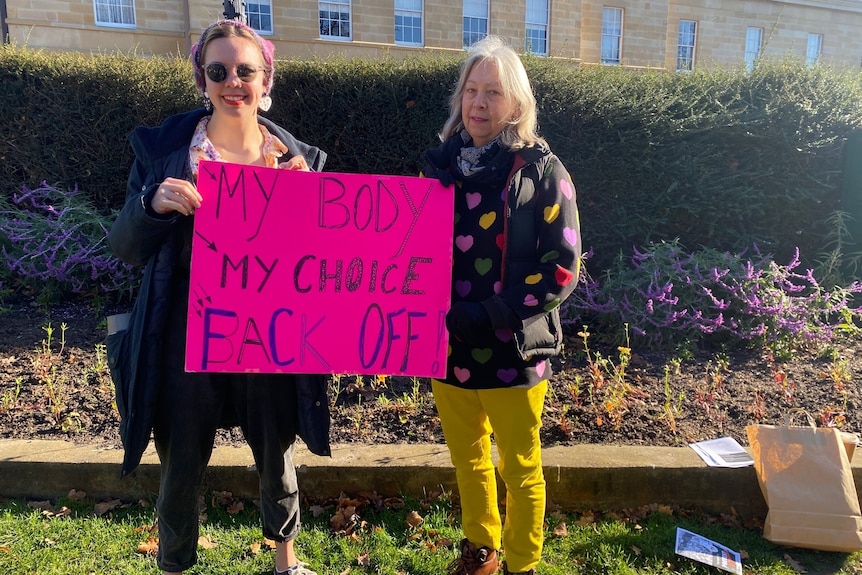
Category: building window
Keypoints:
(335, 20)
(753, 43)
(815, 45)
(612, 35)
(685, 45)
(408, 22)
(537, 27)
(117, 13)
(475, 21)
(259, 15)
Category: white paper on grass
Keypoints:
(722, 452)
(707, 551)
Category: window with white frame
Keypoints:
(335, 20)
(815, 45)
(475, 21)
(537, 27)
(753, 44)
(685, 45)
(259, 15)
(116, 13)
(408, 22)
(612, 35)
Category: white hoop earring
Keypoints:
(265, 103)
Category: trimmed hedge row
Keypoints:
(719, 158)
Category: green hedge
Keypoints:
(719, 158)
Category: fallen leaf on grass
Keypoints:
(269, 543)
(149, 547)
(561, 530)
(63, 512)
(364, 560)
(444, 543)
(221, 498)
(235, 508)
(794, 564)
(42, 505)
(5, 549)
(316, 511)
(345, 521)
(146, 528)
(254, 548)
(105, 506)
(345, 501)
(76, 495)
(414, 520)
(206, 542)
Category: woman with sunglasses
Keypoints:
(233, 70)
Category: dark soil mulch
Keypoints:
(53, 390)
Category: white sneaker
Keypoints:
(298, 569)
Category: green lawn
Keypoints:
(383, 537)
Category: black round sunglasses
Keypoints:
(217, 72)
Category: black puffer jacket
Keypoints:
(532, 246)
(140, 237)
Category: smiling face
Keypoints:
(485, 108)
(233, 95)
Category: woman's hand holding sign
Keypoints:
(176, 195)
(295, 163)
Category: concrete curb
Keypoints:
(581, 477)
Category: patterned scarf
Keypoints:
(485, 167)
(472, 159)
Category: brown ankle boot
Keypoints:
(474, 561)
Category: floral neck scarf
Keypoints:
(472, 159)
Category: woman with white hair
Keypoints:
(516, 258)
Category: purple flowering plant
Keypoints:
(54, 242)
(668, 297)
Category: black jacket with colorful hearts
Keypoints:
(517, 251)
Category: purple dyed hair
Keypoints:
(229, 29)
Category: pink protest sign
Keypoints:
(304, 272)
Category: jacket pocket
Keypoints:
(119, 361)
(313, 419)
(541, 337)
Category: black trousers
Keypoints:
(190, 409)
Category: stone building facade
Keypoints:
(669, 34)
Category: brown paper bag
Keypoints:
(806, 480)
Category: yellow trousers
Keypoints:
(514, 416)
